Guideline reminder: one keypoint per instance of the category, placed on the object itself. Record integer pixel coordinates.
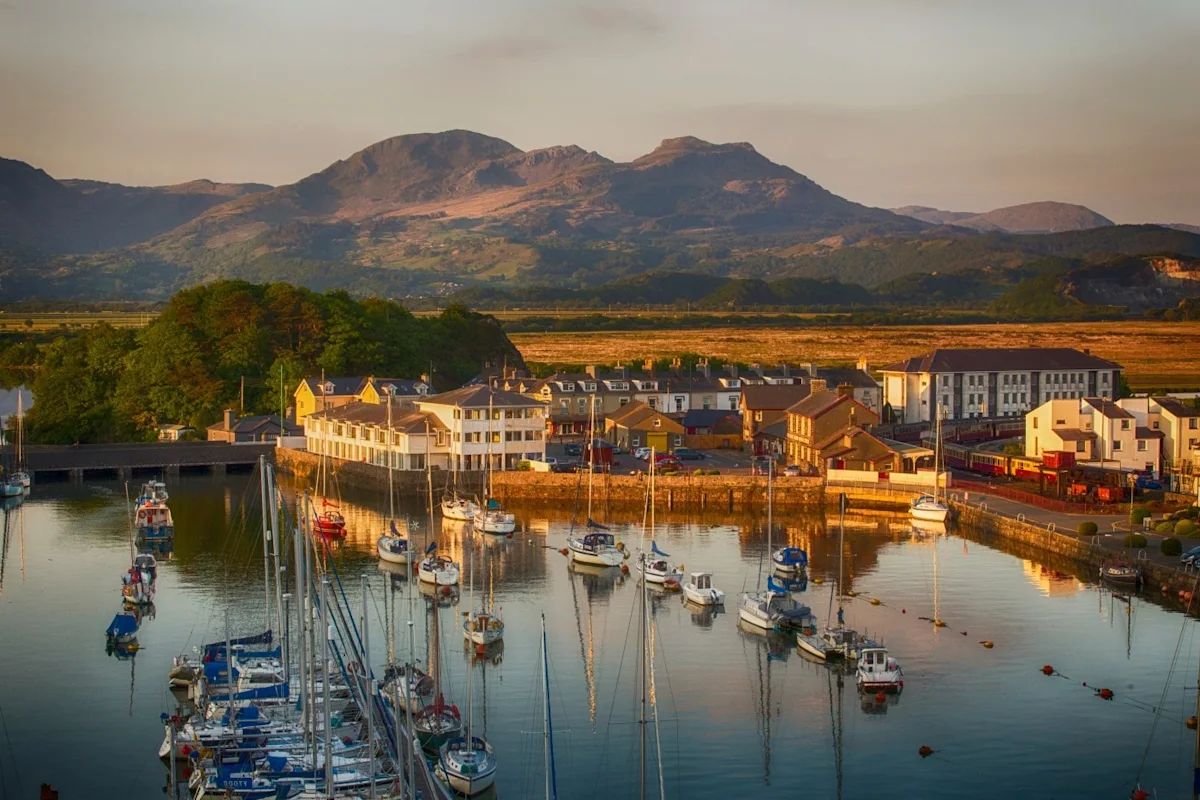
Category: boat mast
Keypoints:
(429, 476)
(642, 641)
(391, 436)
(300, 580)
(276, 535)
(770, 512)
(548, 743)
(266, 537)
(325, 636)
(411, 694)
(591, 455)
(368, 689)
(487, 476)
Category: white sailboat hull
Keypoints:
(460, 510)
(392, 557)
(929, 511)
(494, 522)
(440, 577)
(20, 479)
(602, 558)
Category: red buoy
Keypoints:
(445, 591)
(1139, 794)
(1191, 723)
(1047, 670)
(881, 697)
(904, 611)
(925, 751)
(1106, 694)
(564, 551)
(624, 569)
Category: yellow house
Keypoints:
(317, 394)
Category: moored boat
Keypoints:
(789, 559)
(1121, 574)
(469, 768)
(393, 547)
(437, 569)
(877, 671)
(656, 568)
(458, 508)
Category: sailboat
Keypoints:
(438, 722)
(19, 477)
(833, 641)
(773, 607)
(454, 506)
(646, 663)
(483, 627)
(467, 762)
(492, 518)
(437, 569)
(596, 546)
(929, 507)
(655, 566)
(393, 547)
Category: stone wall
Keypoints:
(304, 466)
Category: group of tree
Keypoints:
(214, 344)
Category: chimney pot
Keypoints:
(230, 418)
(845, 390)
(816, 385)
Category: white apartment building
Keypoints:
(453, 430)
(994, 382)
(1125, 435)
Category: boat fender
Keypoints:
(472, 624)
(1105, 694)
(875, 601)
(1047, 670)
(1191, 723)
(925, 751)
(495, 624)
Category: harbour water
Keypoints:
(740, 714)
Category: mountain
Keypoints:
(435, 214)
(934, 216)
(1044, 217)
(73, 216)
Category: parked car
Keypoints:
(642, 452)
(543, 464)
(574, 450)
(666, 462)
(791, 471)
(1191, 556)
(688, 454)
(566, 466)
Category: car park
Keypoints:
(1191, 556)
(642, 452)
(574, 450)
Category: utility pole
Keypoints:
(242, 398)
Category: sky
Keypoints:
(958, 104)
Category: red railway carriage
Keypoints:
(989, 463)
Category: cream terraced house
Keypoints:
(994, 382)
(453, 430)
(1126, 435)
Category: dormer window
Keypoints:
(327, 388)
(567, 386)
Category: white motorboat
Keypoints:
(599, 549)
(699, 590)
(877, 671)
(440, 570)
(459, 509)
(20, 479)
(655, 567)
(470, 769)
(494, 520)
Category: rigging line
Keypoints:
(617, 683)
(1167, 683)
(11, 753)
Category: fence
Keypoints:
(1033, 499)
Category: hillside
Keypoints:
(79, 216)
(1044, 217)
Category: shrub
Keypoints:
(1187, 529)
(1166, 527)
(1170, 547)
(523, 466)
(1134, 540)
(1138, 514)
(714, 472)
(1191, 512)
(1087, 529)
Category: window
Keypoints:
(1154, 425)
(945, 380)
(1192, 424)
(1104, 378)
(441, 438)
(657, 422)
(1022, 396)
(635, 441)
(416, 461)
(1141, 445)
(1116, 446)
(1006, 380)
(971, 380)
(652, 402)
(496, 437)
(706, 402)
(678, 441)
(624, 401)
(1035, 423)
(583, 405)
(1079, 446)
(945, 401)
(679, 404)
(1124, 424)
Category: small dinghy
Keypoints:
(123, 628)
(699, 590)
(1121, 574)
(655, 567)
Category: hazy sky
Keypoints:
(960, 104)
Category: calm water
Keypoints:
(740, 714)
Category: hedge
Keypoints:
(1138, 514)
(1170, 547)
(1187, 529)
(1165, 527)
(1134, 540)
(1087, 529)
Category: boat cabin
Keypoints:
(702, 580)
(598, 541)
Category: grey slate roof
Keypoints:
(1001, 359)
(1108, 408)
(481, 396)
(372, 414)
(1176, 407)
(769, 397)
(341, 386)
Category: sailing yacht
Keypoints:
(483, 627)
(393, 547)
(832, 641)
(929, 507)
(655, 566)
(439, 722)
(437, 569)
(596, 546)
(773, 607)
(492, 518)
(467, 763)
(19, 477)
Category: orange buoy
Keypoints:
(445, 591)
(925, 751)
(818, 581)
(880, 697)
(1139, 794)
(852, 593)
(1106, 694)
(508, 536)
(988, 644)
(1047, 670)
(565, 551)
(1166, 588)
(624, 569)
(1191, 723)
(875, 601)
(904, 611)
(937, 623)
(1187, 596)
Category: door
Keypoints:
(658, 441)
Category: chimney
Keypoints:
(862, 366)
(230, 418)
(850, 423)
(622, 371)
(591, 371)
(845, 390)
(733, 370)
(677, 364)
(648, 365)
(756, 367)
(703, 369)
(816, 385)
(425, 378)
(1087, 351)
(786, 369)
(810, 368)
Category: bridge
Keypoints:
(123, 460)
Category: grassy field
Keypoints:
(1154, 354)
(36, 322)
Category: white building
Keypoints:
(1099, 432)
(453, 430)
(994, 382)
